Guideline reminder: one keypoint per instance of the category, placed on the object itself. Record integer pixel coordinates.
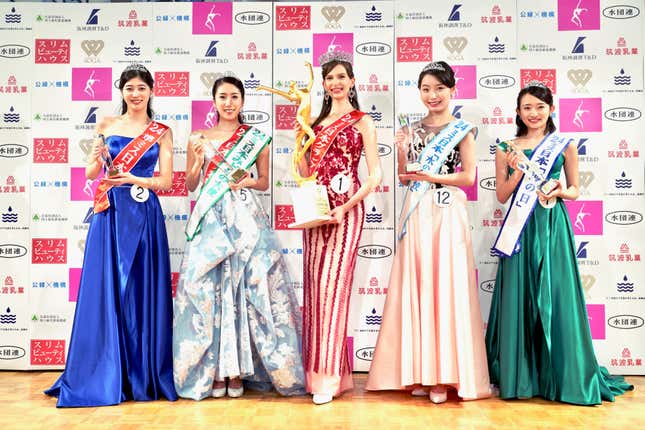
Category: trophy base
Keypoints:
(310, 206)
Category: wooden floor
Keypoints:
(23, 405)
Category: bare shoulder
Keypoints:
(365, 124)
(105, 123)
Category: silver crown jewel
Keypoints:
(136, 66)
(535, 83)
(226, 74)
(434, 66)
(335, 56)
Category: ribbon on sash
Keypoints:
(431, 159)
(326, 137)
(128, 158)
(525, 198)
(240, 151)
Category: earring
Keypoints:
(327, 97)
(352, 94)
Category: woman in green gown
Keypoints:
(538, 339)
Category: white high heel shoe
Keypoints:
(321, 398)
(438, 395)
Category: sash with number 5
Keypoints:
(525, 198)
(240, 152)
(128, 158)
(326, 137)
(431, 159)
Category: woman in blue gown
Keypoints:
(121, 342)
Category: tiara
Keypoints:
(136, 66)
(433, 66)
(535, 83)
(335, 56)
(226, 74)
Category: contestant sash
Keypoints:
(326, 137)
(240, 151)
(523, 202)
(128, 158)
(431, 159)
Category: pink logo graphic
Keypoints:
(471, 191)
(283, 217)
(578, 15)
(91, 83)
(546, 76)
(596, 315)
(585, 216)
(204, 114)
(332, 42)
(580, 115)
(47, 351)
(81, 188)
(413, 49)
(285, 115)
(213, 18)
(466, 82)
(74, 283)
(292, 18)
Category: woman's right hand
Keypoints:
(97, 149)
(512, 159)
(402, 142)
(197, 142)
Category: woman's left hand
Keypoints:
(337, 214)
(244, 183)
(120, 179)
(556, 192)
(416, 176)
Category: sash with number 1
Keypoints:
(525, 198)
(431, 160)
(326, 137)
(240, 152)
(128, 158)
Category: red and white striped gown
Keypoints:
(329, 260)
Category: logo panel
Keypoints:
(581, 115)
(213, 18)
(92, 83)
(585, 216)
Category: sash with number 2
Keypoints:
(128, 158)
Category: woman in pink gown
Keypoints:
(432, 333)
(342, 133)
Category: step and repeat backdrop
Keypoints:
(59, 65)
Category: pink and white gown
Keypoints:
(432, 331)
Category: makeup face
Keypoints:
(434, 94)
(228, 101)
(534, 112)
(337, 83)
(136, 94)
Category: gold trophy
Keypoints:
(235, 175)
(310, 200)
(412, 166)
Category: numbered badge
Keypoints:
(139, 194)
(443, 197)
(340, 183)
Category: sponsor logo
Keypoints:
(455, 14)
(621, 12)
(48, 251)
(10, 215)
(93, 18)
(178, 188)
(255, 117)
(596, 315)
(373, 15)
(373, 216)
(582, 250)
(285, 116)
(332, 42)
(333, 14)
(11, 250)
(625, 286)
(283, 216)
(13, 150)
(625, 255)
(579, 78)
(7, 317)
(172, 84)
(623, 217)
(14, 51)
(413, 49)
(488, 183)
(365, 354)
(576, 15)
(375, 114)
(579, 46)
(383, 150)
(546, 76)
(581, 115)
(487, 286)
(496, 82)
(81, 188)
(373, 49)
(626, 359)
(51, 150)
(132, 50)
(203, 114)
(373, 318)
(52, 51)
(588, 281)
(586, 216)
(455, 46)
(91, 83)
(13, 17)
(251, 83)
(213, 18)
(622, 79)
(456, 111)
(92, 49)
(47, 352)
(623, 182)
(374, 251)
(292, 18)
(252, 18)
(623, 114)
(625, 321)
(466, 82)
(11, 352)
(496, 47)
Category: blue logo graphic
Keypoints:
(13, 17)
(376, 116)
(582, 147)
(91, 115)
(374, 216)
(496, 47)
(623, 181)
(373, 319)
(10, 216)
(625, 287)
(212, 49)
(11, 116)
(132, 50)
(8, 317)
(622, 78)
(251, 83)
(579, 47)
(94, 17)
(456, 111)
(373, 15)
(455, 15)
(582, 250)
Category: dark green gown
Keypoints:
(538, 338)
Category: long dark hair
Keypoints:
(326, 104)
(543, 93)
(136, 71)
(445, 76)
(233, 81)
